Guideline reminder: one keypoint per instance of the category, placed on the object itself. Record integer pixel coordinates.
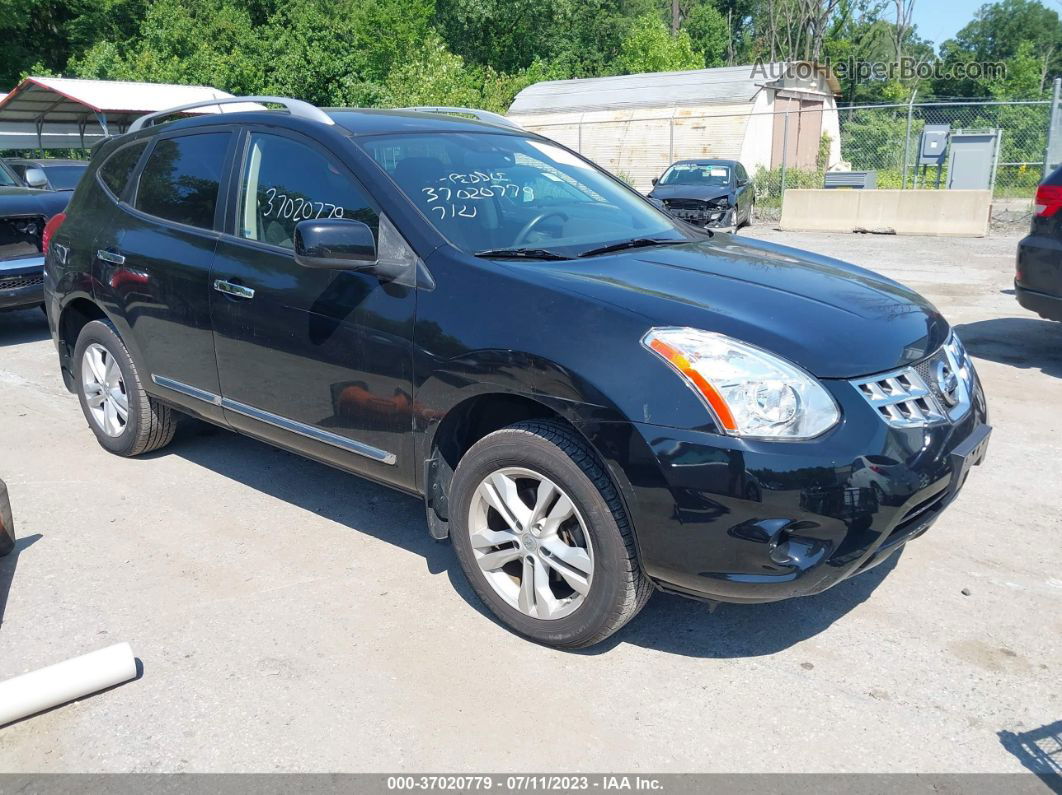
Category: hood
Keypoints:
(833, 319)
(699, 192)
(29, 201)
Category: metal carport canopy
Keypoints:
(66, 113)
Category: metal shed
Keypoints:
(64, 113)
(639, 124)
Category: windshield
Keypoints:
(697, 174)
(64, 177)
(488, 192)
(7, 179)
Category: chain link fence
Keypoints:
(884, 139)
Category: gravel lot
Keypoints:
(290, 617)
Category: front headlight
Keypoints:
(750, 392)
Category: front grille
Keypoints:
(901, 398)
(925, 370)
(912, 396)
(19, 282)
(685, 204)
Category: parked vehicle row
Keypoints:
(594, 399)
(24, 212)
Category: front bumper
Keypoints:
(755, 521)
(721, 217)
(21, 282)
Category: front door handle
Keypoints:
(110, 256)
(235, 290)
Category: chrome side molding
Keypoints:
(302, 429)
(184, 389)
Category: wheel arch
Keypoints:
(76, 313)
(476, 416)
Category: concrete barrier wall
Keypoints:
(903, 212)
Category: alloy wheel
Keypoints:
(531, 543)
(104, 390)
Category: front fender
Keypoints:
(505, 372)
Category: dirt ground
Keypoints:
(293, 618)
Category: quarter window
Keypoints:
(181, 177)
(119, 167)
(285, 182)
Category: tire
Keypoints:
(148, 424)
(616, 588)
(7, 523)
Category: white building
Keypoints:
(637, 125)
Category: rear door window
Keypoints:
(115, 172)
(181, 178)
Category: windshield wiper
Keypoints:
(520, 253)
(638, 242)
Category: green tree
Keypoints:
(650, 47)
(996, 35)
(199, 42)
(432, 75)
(36, 32)
(708, 32)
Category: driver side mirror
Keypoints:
(335, 244)
(655, 180)
(35, 178)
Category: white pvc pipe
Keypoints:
(57, 684)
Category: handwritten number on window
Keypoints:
(281, 206)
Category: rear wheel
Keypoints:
(543, 537)
(125, 419)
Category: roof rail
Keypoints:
(482, 115)
(296, 107)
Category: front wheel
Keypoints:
(543, 537)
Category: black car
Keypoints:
(48, 173)
(708, 193)
(1038, 280)
(594, 399)
(24, 212)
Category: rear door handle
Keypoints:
(235, 290)
(110, 256)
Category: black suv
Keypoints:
(594, 399)
(1038, 275)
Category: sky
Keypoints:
(939, 20)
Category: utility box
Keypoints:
(934, 146)
(862, 180)
(972, 159)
